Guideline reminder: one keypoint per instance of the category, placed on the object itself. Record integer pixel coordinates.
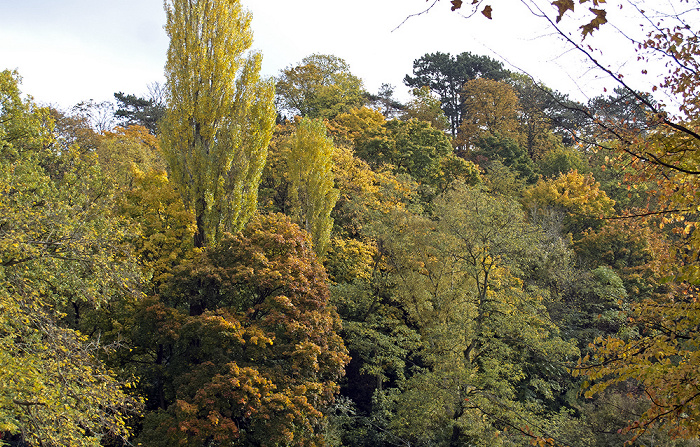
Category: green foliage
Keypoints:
(405, 147)
(133, 110)
(455, 301)
(542, 113)
(560, 161)
(620, 178)
(505, 150)
(426, 107)
(502, 180)
(311, 190)
(445, 75)
(482, 332)
(220, 114)
(321, 86)
(60, 248)
(299, 178)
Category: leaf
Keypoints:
(487, 11)
(563, 6)
(456, 4)
(595, 23)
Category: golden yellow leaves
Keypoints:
(202, 133)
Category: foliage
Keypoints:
(254, 351)
(422, 152)
(500, 148)
(321, 86)
(359, 127)
(638, 251)
(490, 107)
(124, 150)
(299, 178)
(60, 248)
(146, 112)
(163, 238)
(55, 389)
(579, 196)
(219, 116)
(366, 194)
(405, 147)
(455, 300)
(426, 107)
(385, 102)
(445, 75)
(662, 359)
(456, 281)
(311, 194)
(541, 113)
(490, 130)
(561, 160)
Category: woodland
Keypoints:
(242, 261)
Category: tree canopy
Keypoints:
(490, 264)
(219, 114)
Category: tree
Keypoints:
(164, 234)
(321, 86)
(385, 102)
(490, 107)
(311, 181)
(122, 152)
(61, 250)
(662, 360)
(499, 148)
(562, 160)
(426, 107)
(577, 195)
(146, 112)
(358, 127)
(220, 114)
(99, 116)
(406, 147)
(482, 332)
(445, 75)
(540, 113)
(259, 359)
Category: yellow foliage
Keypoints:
(579, 196)
(220, 115)
(491, 107)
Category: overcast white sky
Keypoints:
(73, 50)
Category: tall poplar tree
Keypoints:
(311, 181)
(220, 113)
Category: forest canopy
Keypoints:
(294, 261)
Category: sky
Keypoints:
(69, 51)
